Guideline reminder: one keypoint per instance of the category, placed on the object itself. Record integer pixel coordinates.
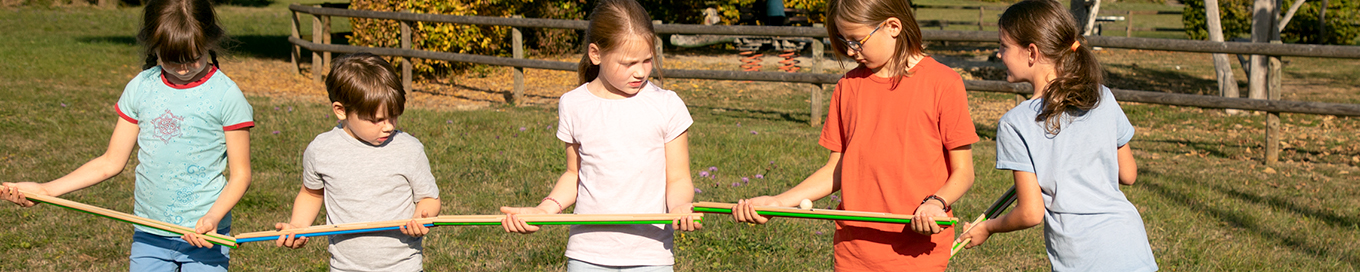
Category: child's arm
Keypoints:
(238, 160)
(820, 184)
(426, 207)
(679, 186)
(960, 180)
(97, 170)
(1028, 211)
(563, 194)
(305, 209)
(1128, 167)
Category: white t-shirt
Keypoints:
(623, 171)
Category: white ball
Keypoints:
(805, 204)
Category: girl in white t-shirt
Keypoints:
(627, 149)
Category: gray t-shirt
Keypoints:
(1088, 223)
(365, 183)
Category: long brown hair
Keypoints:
(611, 23)
(363, 82)
(179, 31)
(872, 13)
(1047, 25)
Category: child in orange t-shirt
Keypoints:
(900, 138)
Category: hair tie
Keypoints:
(1075, 45)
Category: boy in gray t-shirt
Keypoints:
(365, 170)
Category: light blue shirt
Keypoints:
(183, 146)
(1088, 223)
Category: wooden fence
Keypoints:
(321, 48)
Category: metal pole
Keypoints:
(517, 40)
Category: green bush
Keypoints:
(1342, 19)
(466, 39)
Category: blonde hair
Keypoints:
(611, 23)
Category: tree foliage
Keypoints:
(1343, 21)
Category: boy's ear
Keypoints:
(594, 52)
(339, 110)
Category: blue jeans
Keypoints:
(152, 252)
(574, 265)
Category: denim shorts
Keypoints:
(152, 252)
(574, 265)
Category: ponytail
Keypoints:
(1049, 27)
(1075, 90)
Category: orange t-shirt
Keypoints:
(894, 144)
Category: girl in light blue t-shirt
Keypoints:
(190, 122)
(1068, 148)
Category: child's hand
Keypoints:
(10, 192)
(686, 223)
(976, 235)
(516, 225)
(204, 225)
(414, 228)
(291, 240)
(924, 221)
(745, 211)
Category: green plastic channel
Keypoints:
(634, 222)
(211, 239)
(826, 216)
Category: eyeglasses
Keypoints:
(859, 45)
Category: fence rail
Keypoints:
(320, 46)
(1201, 101)
(1296, 50)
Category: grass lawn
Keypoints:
(1207, 201)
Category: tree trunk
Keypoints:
(1262, 24)
(1085, 11)
(1227, 84)
(1322, 24)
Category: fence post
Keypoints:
(815, 99)
(405, 61)
(981, 10)
(297, 50)
(326, 39)
(657, 56)
(316, 56)
(517, 40)
(1128, 29)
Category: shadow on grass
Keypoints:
(1156, 80)
(257, 46)
(1330, 218)
(1211, 148)
(1298, 241)
(796, 117)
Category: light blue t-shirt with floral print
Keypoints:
(183, 147)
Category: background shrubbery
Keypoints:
(495, 41)
(1343, 21)
(467, 39)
